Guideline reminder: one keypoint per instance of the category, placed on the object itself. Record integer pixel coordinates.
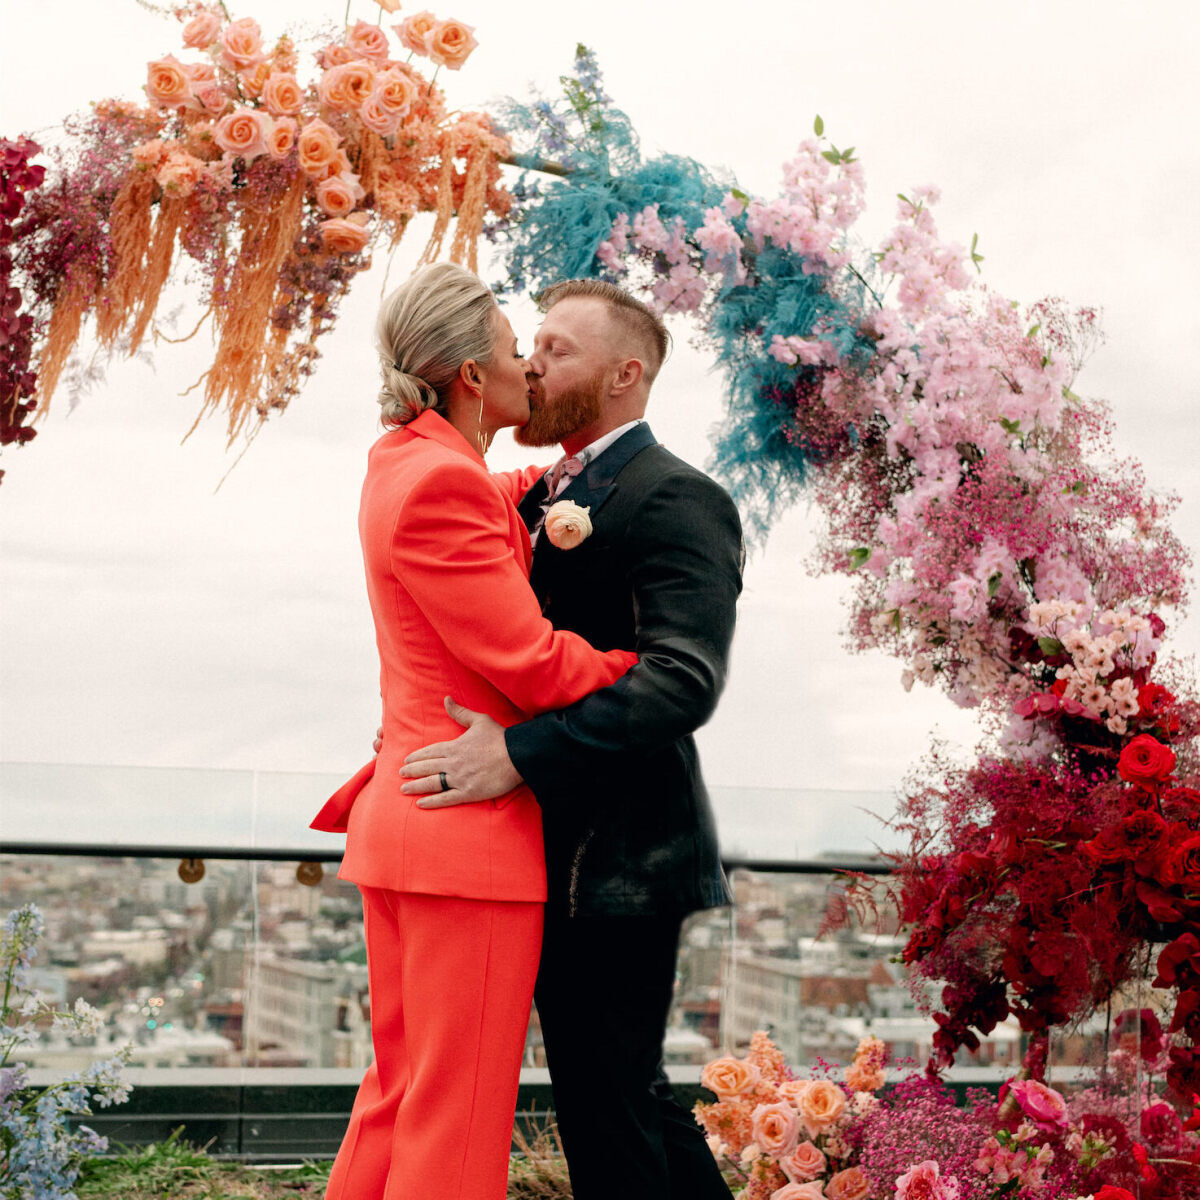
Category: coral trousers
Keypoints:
(451, 983)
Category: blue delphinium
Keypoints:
(40, 1154)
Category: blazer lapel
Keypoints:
(593, 486)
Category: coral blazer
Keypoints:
(447, 560)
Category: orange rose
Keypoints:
(729, 1077)
(819, 1105)
(241, 44)
(345, 87)
(804, 1163)
(282, 94)
(201, 31)
(449, 43)
(179, 173)
(367, 41)
(337, 196)
(245, 132)
(346, 236)
(396, 91)
(283, 137)
(318, 148)
(389, 6)
(412, 30)
(850, 1184)
(167, 82)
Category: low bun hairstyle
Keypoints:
(427, 328)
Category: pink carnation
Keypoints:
(924, 1182)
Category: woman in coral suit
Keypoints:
(452, 898)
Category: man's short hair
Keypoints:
(635, 320)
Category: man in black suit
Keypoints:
(630, 840)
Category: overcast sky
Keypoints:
(151, 620)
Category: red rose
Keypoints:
(1161, 904)
(1136, 836)
(1182, 802)
(1182, 865)
(1111, 1192)
(1179, 962)
(1145, 761)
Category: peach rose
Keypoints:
(241, 44)
(282, 94)
(213, 99)
(245, 132)
(255, 79)
(167, 82)
(449, 43)
(805, 1162)
(790, 1089)
(337, 197)
(318, 148)
(334, 55)
(179, 173)
(798, 1191)
(283, 137)
(412, 30)
(345, 235)
(367, 41)
(729, 1078)
(819, 1105)
(396, 91)
(389, 6)
(773, 1126)
(850, 1184)
(201, 31)
(378, 119)
(345, 87)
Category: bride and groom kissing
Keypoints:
(553, 849)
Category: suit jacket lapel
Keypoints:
(593, 486)
(530, 505)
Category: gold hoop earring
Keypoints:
(480, 436)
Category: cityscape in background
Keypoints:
(249, 967)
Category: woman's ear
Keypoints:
(472, 377)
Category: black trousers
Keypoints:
(603, 995)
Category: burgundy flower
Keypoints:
(1162, 905)
(1160, 1126)
(1182, 802)
(1145, 761)
(1142, 1024)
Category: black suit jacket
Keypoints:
(628, 822)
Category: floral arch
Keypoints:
(992, 539)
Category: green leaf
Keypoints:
(1079, 487)
(818, 126)
(902, 196)
(831, 156)
(848, 154)
(1033, 329)
(1010, 426)
(858, 556)
(1050, 646)
(739, 195)
(896, 619)
(994, 582)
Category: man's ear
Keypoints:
(471, 376)
(629, 375)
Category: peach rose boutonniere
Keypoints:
(567, 524)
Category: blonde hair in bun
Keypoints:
(427, 328)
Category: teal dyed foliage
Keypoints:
(775, 430)
(767, 443)
(557, 224)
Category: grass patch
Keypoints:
(174, 1170)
